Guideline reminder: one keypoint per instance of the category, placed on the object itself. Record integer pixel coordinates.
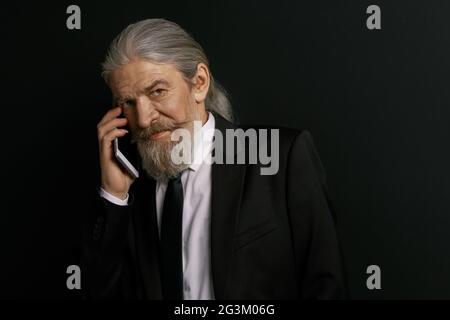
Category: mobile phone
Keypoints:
(126, 154)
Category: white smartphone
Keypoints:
(125, 156)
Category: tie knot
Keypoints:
(176, 177)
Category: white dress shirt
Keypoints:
(196, 182)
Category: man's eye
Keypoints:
(127, 103)
(157, 92)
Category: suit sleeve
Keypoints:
(105, 249)
(321, 272)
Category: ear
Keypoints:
(201, 82)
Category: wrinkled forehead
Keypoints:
(135, 76)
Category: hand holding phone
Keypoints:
(115, 179)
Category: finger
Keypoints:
(111, 114)
(108, 126)
(111, 135)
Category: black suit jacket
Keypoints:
(272, 237)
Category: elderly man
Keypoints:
(200, 229)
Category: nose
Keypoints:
(146, 112)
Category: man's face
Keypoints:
(156, 100)
(151, 95)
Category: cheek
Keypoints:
(180, 106)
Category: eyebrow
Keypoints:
(156, 83)
(146, 89)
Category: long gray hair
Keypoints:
(164, 41)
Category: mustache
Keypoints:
(162, 125)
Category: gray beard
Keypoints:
(156, 155)
(156, 158)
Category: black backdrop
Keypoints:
(376, 103)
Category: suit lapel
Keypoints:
(227, 184)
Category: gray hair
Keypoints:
(164, 41)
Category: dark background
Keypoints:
(376, 103)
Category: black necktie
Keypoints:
(171, 237)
